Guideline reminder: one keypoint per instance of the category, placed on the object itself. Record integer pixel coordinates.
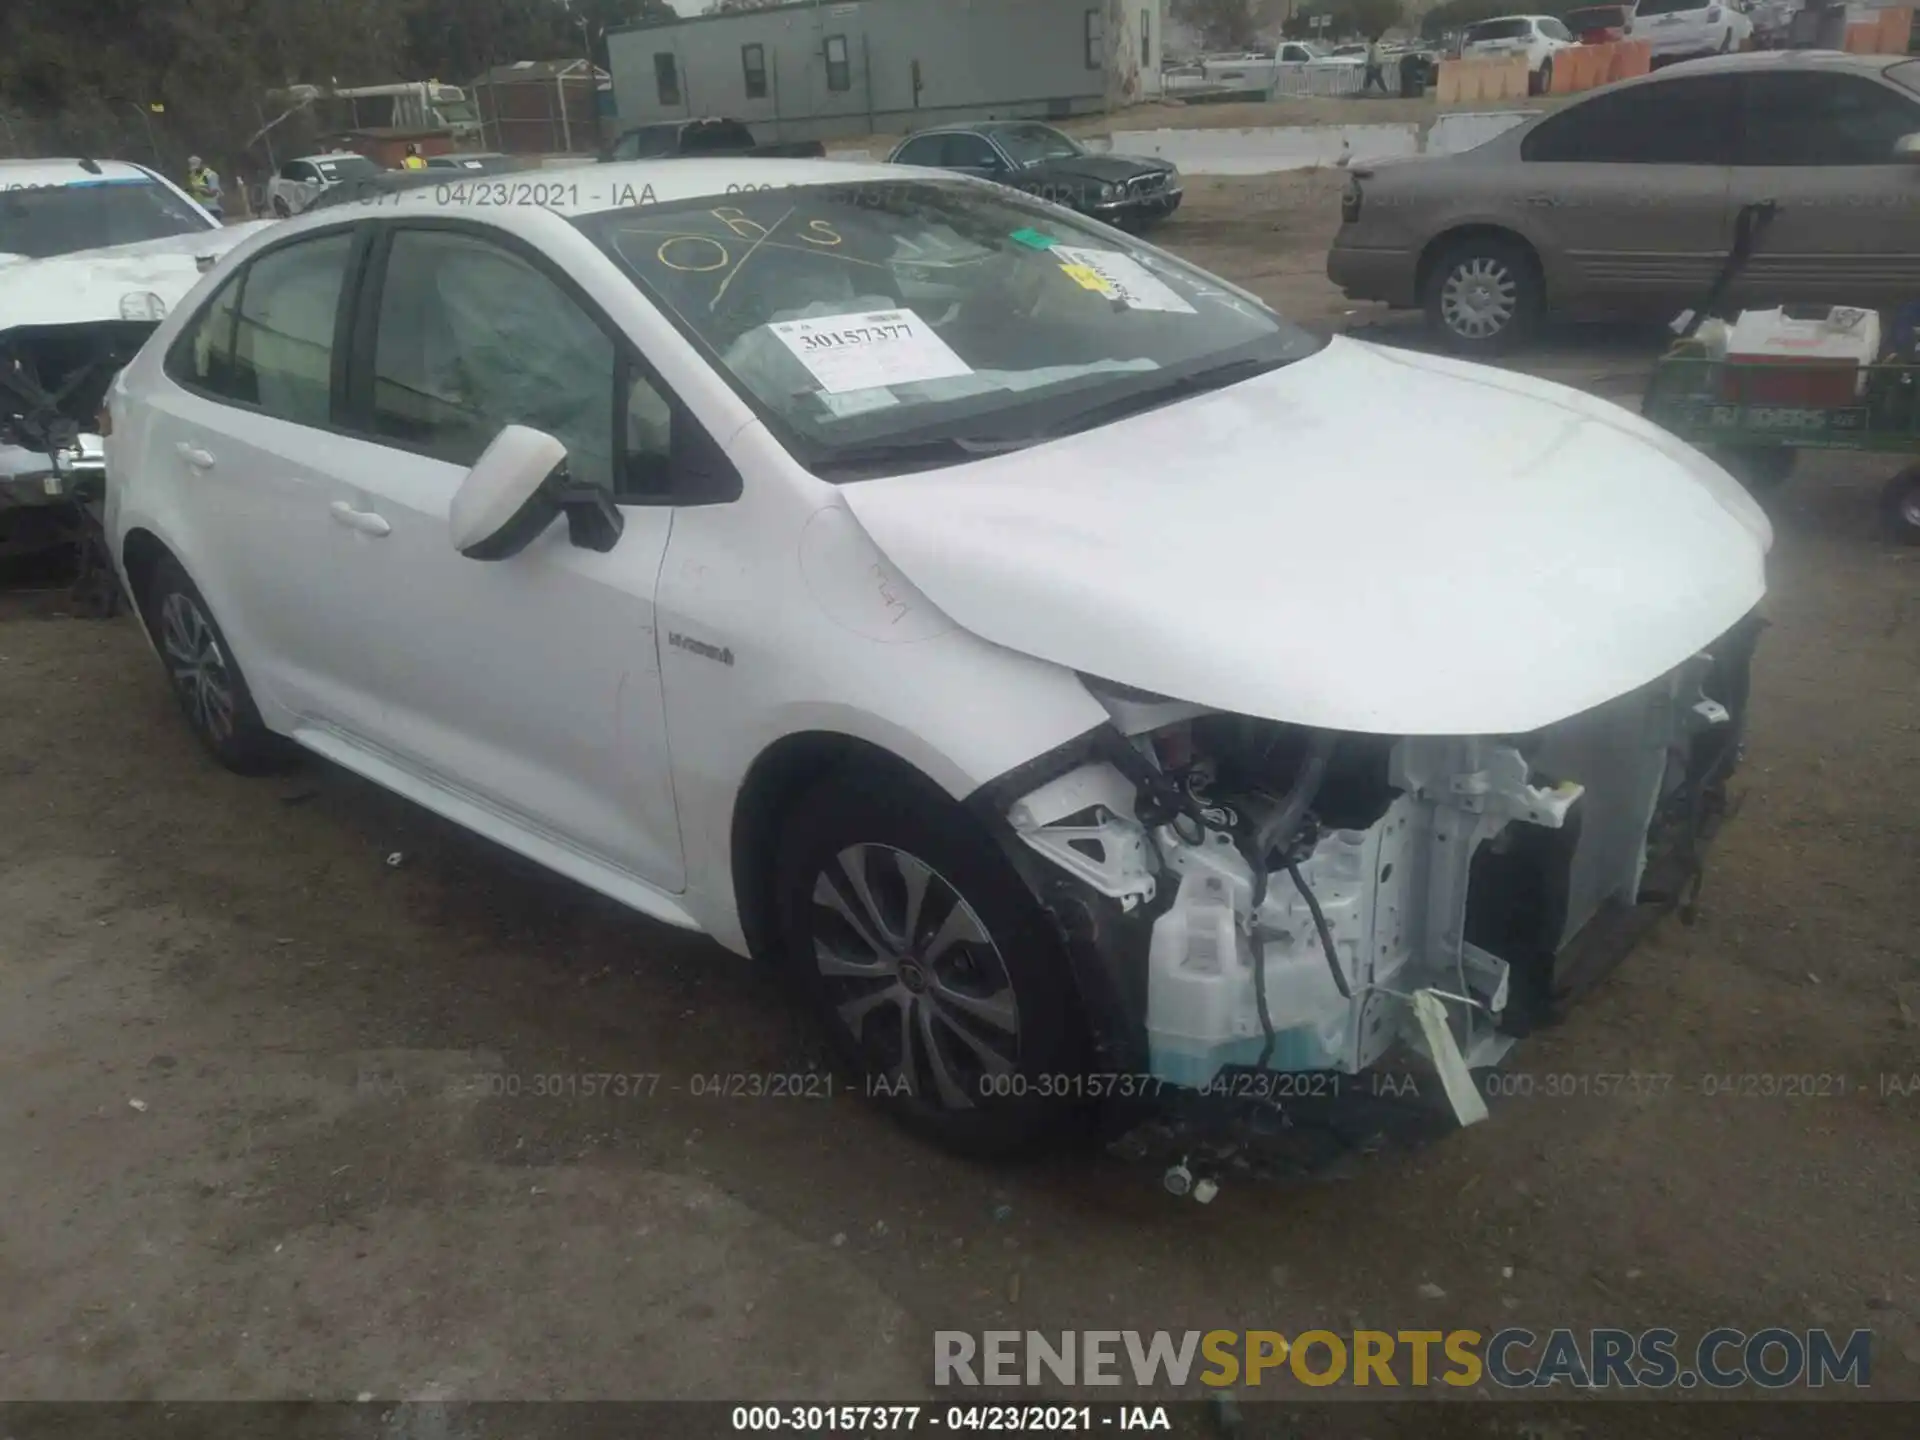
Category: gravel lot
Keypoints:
(337, 1015)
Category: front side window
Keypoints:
(935, 315)
(839, 72)
(753, 63)
(970, 152)
(1667, 122)
(666, 78)
(472, 338)
(60, 219)
(1035, 144)
(1906, 73)
(283, 342)
(203, 355)
(1807, 118)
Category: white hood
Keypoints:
(88, 285)
(1367, 540)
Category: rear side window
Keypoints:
(283, 342)
(1668, 122)
(924, 151)
(472, 338)
(1807, 118)
(202, 358)
(1554, 30)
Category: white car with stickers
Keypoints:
(92, 252)
(984, 615)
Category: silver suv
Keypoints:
(1622, 205)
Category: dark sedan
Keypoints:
(1126, 190)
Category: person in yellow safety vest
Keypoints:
(203, 184)
(413, 160)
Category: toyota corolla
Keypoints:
(1001, 625)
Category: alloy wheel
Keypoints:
(1480, 298)
(914, 976)
(198, 665)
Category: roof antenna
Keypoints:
(92, 167)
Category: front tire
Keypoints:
(1484, 295)
(934, 971)
(206, 680)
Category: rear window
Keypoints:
(347, 168)
(706, 137)
(88, 214)
(1666, 7)
(1497, 30)
(1599, 17)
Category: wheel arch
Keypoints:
(140, 555)
(781, 773)
(1431, 252)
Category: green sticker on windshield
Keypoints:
(1032, 238)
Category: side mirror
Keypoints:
(1906, 150)
(516, 489)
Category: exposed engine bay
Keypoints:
(53, 381)
(1289, 900)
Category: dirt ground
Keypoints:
(288, 1070)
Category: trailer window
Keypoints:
(839, 72)
(753, 62)
(666, 76)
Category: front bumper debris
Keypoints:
(1494, 877)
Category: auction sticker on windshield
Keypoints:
(862, 352)
(1120, 277)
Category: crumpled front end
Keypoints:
(53, 381)
(1249, 898)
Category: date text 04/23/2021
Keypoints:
(910, 1419)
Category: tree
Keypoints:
(1373, 18)
(594, 18)
(1222, 24)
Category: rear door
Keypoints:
(246, 425)
(1819, 143)
(1630, 189)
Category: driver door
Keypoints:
(532, 684)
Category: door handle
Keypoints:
(194, 455)
(365, 521)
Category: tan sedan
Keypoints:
(1623, 204)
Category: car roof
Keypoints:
(1790, 60)
(69, 172)
(592, 189)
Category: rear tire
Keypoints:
(934, 971)
(1484, 295)
(281, 208)
(1900, 507)
(206, 680)
(1543, 80)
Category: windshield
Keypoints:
(89, 214)
(1034, 144)
(862, 317)
(347, 167)
(458, 112)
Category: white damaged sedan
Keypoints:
(1028, 641)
